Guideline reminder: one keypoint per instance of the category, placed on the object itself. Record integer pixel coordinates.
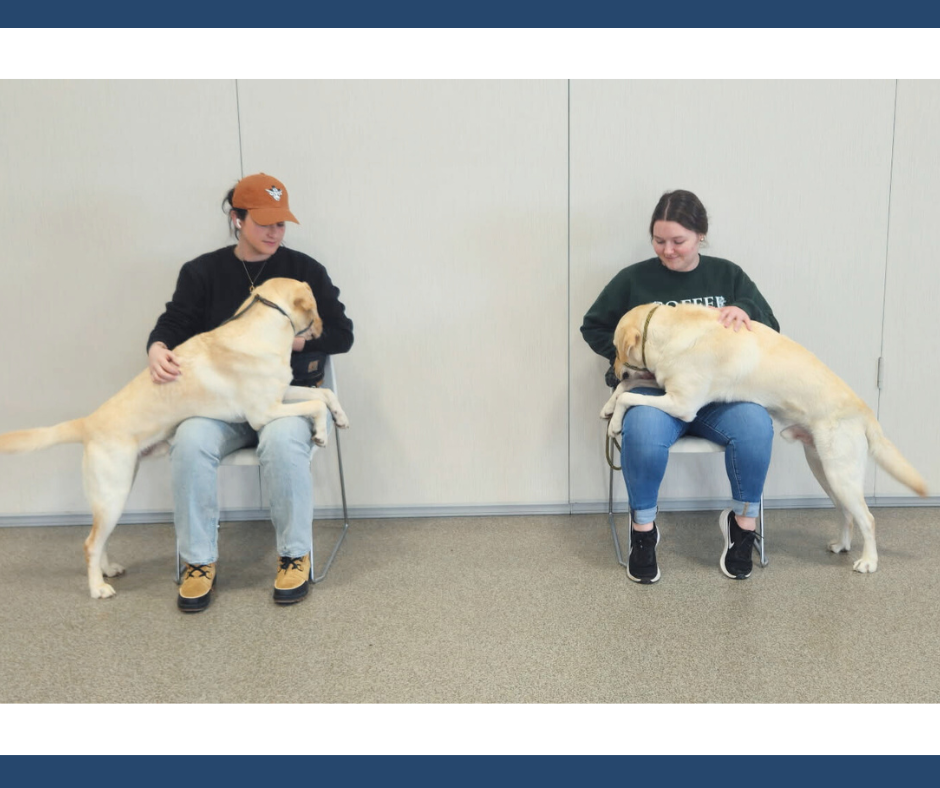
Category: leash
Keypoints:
(266, 302)
(610, 460)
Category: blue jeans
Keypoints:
(285, 447)
(745, 429)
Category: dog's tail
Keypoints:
(886, 454)
(43, 437)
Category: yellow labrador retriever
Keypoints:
(696, 361)
(237, 372)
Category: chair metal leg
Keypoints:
(342, 487)
(760, 534)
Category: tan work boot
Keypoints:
(293, 579)
(196, 588)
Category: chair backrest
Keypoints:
(329, 376)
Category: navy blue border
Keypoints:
(458, 771)
(483, 13)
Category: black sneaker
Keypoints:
(641, 566)
(736, 556)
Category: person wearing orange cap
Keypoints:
(209, 290)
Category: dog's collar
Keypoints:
(646, 325)
(266, 302)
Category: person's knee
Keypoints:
(758, 421)
(752, 435)
(194, 441)
(288, 436)
(643, 423)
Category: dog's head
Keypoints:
(305, 310)
(628, 344)
(297, 301)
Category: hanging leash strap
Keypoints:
(607, 444)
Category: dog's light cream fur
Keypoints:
(696, 360)
(238, 372)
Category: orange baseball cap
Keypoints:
(265, 199)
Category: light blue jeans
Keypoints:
(285, 447)
(743, 428)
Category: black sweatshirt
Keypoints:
(211, 288)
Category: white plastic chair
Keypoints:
(249, 457)
(687, 444)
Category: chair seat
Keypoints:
(246, 456)
(691, 444)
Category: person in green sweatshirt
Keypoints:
(681, 274)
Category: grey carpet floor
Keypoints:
(482, 610)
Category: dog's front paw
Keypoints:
(610, 406)
(340, 419)
(614, 428)
(839, 547)
(104, 591)
(866, 565)
(320, 441)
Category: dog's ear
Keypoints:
(631, 338)
(307, 304)
(304, 300)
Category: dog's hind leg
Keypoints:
(843, 541)
(843, 456)
(110, 568)
(109, 475)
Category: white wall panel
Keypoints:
(439, 209)
(908, 410)
(108, 188)
(795, 176)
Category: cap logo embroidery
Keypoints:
(275, 193)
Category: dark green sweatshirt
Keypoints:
(713, 282)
